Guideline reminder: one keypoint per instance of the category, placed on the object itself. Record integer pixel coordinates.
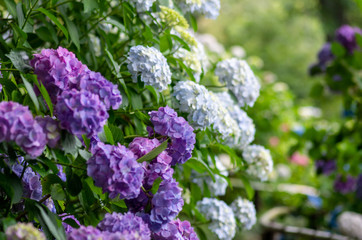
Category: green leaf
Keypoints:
(154, 153)
(73, 32)
(89, 5)
(359, 38)
(45, 95)
(156, 185)
(193, 22)
(108, 134)
(11, 7)
(187, 69)
(54, 20)
(338, 50)
(70, 144)
(74, 184)
(57, 192)
(249, 190)
(180, 40)
(20, 14)
(48, 181)
(31, 92)
(12, 186)
(120, 203)
(86, 141)
(117, 133)
(359, 4)
(19, 63)
(153, 92)
(116, 23)
(50, 220)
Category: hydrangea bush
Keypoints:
(113, 118)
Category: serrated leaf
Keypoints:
(85, 154)
(31, 92)
(154, 153)
(156, 185)
(54, 20)
(248, 188)
(17, 60)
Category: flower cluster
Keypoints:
(66, 226)
(64, 76)
(244, 212)
(326, 167)
(130, 226)
(217, 187)
(115, 170)
(142, 5)
(23, 231)
(17, 124)
(81, 112)
(259, 160)
(245, 123)
(167, 123)
(222, 218)
(85, 233)
(50, 128)
(346, 36)
(240, 80)
(344, 185)
(167, 203)
(176, 230)
(191, 60)
(151, 65)
(172, 18)
(209, 8)
(32, 187)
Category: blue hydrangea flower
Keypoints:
(244, 212)
(259, 160)
(176, 230)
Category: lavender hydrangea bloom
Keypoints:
(244, 212)
(222, 218)
(167, 203)
(326, 167)
(23, 231)
(1, 86)
(128, 225)
(151, 65)
(346, 36)
(239, 79)
(176, 230)
(95, 83)
(166, 123)
(85, 233)
(56, 69)
(17, 124)
(359, 187)
(81, 112)
(158, 167)
(115, 169)
(32, 187)
(51, 129)
(344, 185)
(139, 203)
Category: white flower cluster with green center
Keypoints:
(222, 218)
(240, 80)
(259, 160)
(23, 231)
(151, 65)
(244, 211)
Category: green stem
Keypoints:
(9, 69)
(70, 165)
(28, 14)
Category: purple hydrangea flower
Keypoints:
(167, 203)
(115, 169)
(1, 86)
(50, 128)
(344, 185)
(326, 167)
(32, 187)
(81, 112)
(158, 167)
(346, 36)
(166, 123)
(139, 203)
(17, 124)
(176, 230)
(95, 83)
(129, 225)
(57, 69)
(66, 226)
(85, 233)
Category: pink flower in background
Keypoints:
(299, 159)
(274, 141)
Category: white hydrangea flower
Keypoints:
(151, 65)
(244, 212)
(210, 8)
(191, 60)
(222, 218)
(245, 123)
(142, 5)
(211, 43)
(96, 42)
(260, 163)
(189, 5)
(224, 123)
(195, 99)
(217, 188)
(239, 79)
